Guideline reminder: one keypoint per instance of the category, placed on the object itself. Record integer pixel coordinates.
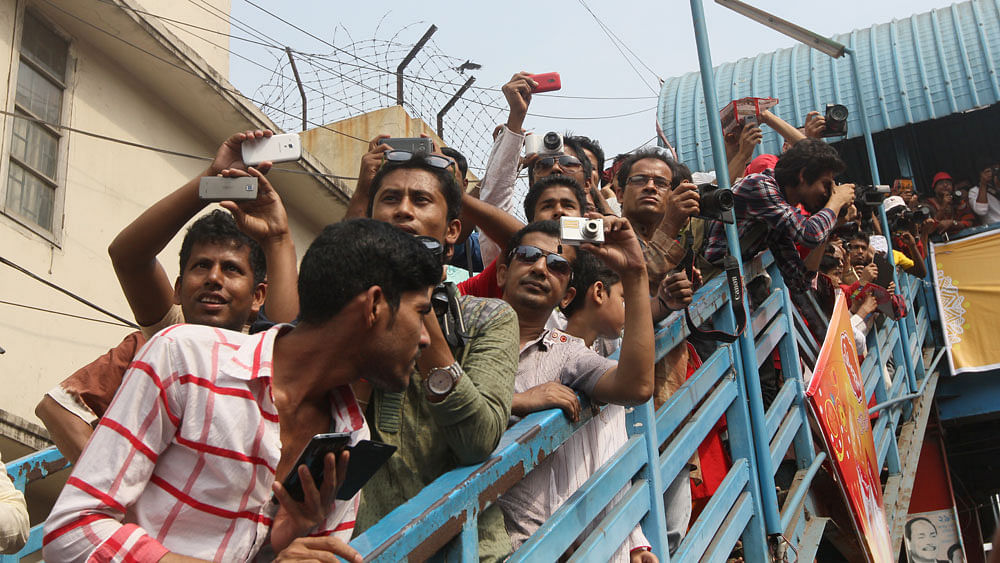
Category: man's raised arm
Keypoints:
(133, 252)
(630, 383)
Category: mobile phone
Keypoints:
(217, 188)
(884, 277)
(419, 146)
(312, 457)
(276, 148)
(547, 82)
(367, 457)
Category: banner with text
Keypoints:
(837, 399)
(968, 295)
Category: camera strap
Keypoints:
(734, 281)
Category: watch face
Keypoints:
(440, 382)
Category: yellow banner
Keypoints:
(968, 295)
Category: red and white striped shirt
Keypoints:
(184, 459)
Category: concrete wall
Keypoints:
(342, 153)
(213, 47)
(106, 186)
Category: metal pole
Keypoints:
(409, 57)
(302, 91)
(904, 331)
(451, 102)
(765, 473)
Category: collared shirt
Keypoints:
(185, 457)
(557, 356)
(759, 203)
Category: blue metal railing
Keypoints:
(444, 515)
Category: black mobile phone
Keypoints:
(419, 146)
(312, 457)
(367, 457)
(884, 271)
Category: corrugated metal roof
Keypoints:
(915, 69)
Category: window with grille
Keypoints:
(32, 184)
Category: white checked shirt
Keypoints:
(560, 357)
(185, 457)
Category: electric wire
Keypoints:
(156, 149)
(64, 314)
(60, 289)
(195, 74)
(613, 38)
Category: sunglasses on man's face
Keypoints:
(434, 160)
(527, 254)
(565, 161)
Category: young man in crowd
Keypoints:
(951, 213)
(535, 277)
(766, 214)
(985, 196)
(221, 283)
(457, 404)
(209, 421)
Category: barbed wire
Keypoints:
(350, 89)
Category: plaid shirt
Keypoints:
(185, 457)
(759, 200)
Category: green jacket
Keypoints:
(463, 429)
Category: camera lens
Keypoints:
(838, 112)
(552, 141)
(590, 229)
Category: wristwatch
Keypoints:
(441, 381)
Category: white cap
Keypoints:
(893, 202)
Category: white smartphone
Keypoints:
(217, 188)
(276, 148)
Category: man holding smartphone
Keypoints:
(208, 421)
(228, 264)
(456, 407)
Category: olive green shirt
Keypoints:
(463, 429)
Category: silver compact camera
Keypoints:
(574, 230)
(549, 143)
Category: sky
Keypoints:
(562, 36)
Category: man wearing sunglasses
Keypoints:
(553, 366)
(457, 404)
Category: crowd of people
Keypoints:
(247, 355)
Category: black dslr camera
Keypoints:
(714, 203)
(836, 121)
(870, 196)
(905, 219)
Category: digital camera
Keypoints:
(549, 143)
(714, 203)
(575, 230)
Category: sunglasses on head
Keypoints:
(527, 254)
(565, 161)
(434, 160)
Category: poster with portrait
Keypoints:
(932, 537)
(837, 399)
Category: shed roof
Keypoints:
(915, 69)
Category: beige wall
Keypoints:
(343, 153)
(210, 46)
(107, 185)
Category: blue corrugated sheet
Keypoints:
(915, 69)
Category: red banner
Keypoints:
(837, 398)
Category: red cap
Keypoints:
(940, 176)
(760, 164)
